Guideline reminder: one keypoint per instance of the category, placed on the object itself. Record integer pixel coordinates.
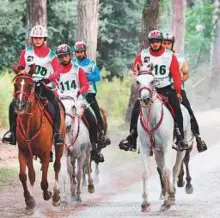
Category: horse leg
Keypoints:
(79, 178)
(44, 183)
(29, 200)
(165, 158)
(96, 173)
(176, 169)
(72, 176)
(63, 181)
(84, 183)
(180, 182)
(189, 187)
(56, 166)
(162, 194)
(145, 206)
(31, 172)
(91, 188)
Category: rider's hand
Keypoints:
(45, 80)
(179, 96)
(16, 68)
(78, 94)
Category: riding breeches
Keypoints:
(12, 117)
(194, 123)
(175, 105)
(91, 99)
(43, 92)
(92, 126)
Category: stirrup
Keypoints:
(9, 138)
(201, 145)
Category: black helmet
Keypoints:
(63, 49)
(155, 34)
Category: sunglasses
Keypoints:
(167, 43)
(63, 56)
(155, 41)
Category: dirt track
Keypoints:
(119, 191)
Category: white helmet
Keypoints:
(38, 31)
(169, 37)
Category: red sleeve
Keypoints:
(56, 68)
(21, 61)
(137, 63)
(83, 81)
(175, 73)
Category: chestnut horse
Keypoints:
(34, 136)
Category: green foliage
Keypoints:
(199, 33)
(12, 31)
(118, 34)
(113, 96)
(6, 90)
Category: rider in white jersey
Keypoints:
(165, 68)
(46, 70)
(73, 79)
(168, 42)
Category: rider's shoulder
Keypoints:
(168, 51)
(29, 48)
(52, 53)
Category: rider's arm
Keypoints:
(56, 69)
(21, 61)
(185, 71)
(83, 81)
(94, 76)
(175, 73)
(136, 65)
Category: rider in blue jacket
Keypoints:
(93, 75)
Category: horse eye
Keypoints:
(138, 82)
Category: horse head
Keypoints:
(74, 107)
(23, 89)
(146, 85)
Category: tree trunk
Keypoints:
(214, 96)
(87, 29)
(149, 21)
(36, 14)
(178, 24)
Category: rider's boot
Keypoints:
(130, 143)
(10, 136)
(95, 155)
(51, 156)
(58, 139)
(103, 139)
(181, 142)
(201, 145)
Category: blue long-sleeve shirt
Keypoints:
(92, 71)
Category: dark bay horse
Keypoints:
(35, 138)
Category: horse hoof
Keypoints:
(180, 183)
(30, 203)
(189, 189)
(161, 196)
(63, 204)
(145, 207)
(164, 207)
(56, 203)
(29, 212)
(91, 188)
(47, 195)
(78, 200)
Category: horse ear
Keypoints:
(17, 68)
(32, 69)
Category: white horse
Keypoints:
(77, 149)
(155, 129)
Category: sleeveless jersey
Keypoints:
(43, 64)
(161, 65)
(88, 69)
(69, 82)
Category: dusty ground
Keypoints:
(119, 192)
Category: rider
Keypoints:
(93, 75)
(165, 67)
(46, 69)
(72, 77)
(168, 42)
